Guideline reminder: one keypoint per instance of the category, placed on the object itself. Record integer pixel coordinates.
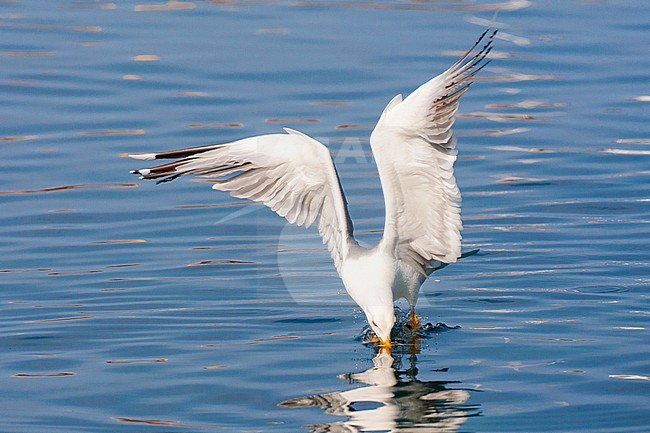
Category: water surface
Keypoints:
(134, 307)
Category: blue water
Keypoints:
(126, 306)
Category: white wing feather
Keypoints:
(291, 173)
(415, 151)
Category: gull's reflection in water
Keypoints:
(392, 400)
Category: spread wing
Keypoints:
(291, 173)
(415, 151)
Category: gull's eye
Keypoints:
(374, 324)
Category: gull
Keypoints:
(293, 174)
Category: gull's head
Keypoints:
(381, 319)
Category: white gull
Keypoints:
(415, 150)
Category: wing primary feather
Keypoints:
(174, 170)
(474, 60)
(223, 171)
(463, 72)
(464, 56)
(449, 99)
(184, 153)
(158, 171)
(476, 71)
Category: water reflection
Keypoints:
(393, 400)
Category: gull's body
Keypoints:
(294, 175)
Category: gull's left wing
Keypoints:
(415, 150)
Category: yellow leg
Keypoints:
(414, 320)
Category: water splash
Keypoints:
(403, 332)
